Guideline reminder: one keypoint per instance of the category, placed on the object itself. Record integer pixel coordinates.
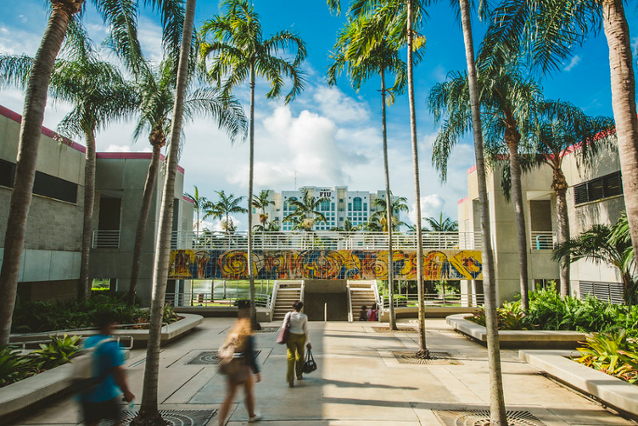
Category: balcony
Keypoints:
(324, 240)
(545, 240)
(106, 239)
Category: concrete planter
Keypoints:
(519, 339)
(19, 396)
(612, 391)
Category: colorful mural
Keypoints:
(324, 264)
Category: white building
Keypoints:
(357, 206)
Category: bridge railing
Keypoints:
(323, 240)
(208, 299)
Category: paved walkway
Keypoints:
(359, 381)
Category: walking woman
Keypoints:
(296, 339)
(241, 336)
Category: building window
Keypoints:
(349, 206)
(44, 184)
(365, 207)
(341, 200)
(332, 206)
(356, 204)
(599, 188)
(7, 173)
(325, 205)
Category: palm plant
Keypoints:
(99, 95)
(198, 202)
(596, 244)
(121, 17)
(441, 225)
(385, 215)
(548, 31)
(306, 212)
(149, 413)
(223, 208)
(262, 202)
(235, 44)
(156, 93)
(506, 100)
(348, 228)
(383, 59)
(560, 125)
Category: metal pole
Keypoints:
(325, 312)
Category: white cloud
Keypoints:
(335, 105)
(431, 206)
(575, 60)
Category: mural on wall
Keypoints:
(324, 264)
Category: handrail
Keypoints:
(545, 240)
(191, 299)
(469, 300)
(350, 316)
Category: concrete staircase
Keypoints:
(361, 294)
(287, 292)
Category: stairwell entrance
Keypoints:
(321, 293)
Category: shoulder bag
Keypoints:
(283, 334)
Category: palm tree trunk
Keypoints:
(388, 202)
(623, 94)
(560, 187)
(147, 197)
(149, 414)
(498, 415)
(89, 201)
(30, 133)
(251, 276)
(519, 215)
(423, 350)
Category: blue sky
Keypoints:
(330, 135)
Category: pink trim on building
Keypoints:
(463, 200)
(188, 199)
(471, 169)
(12, 115)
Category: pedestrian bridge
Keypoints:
(325, 256)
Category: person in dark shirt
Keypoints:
(242, 337)
(363, 314)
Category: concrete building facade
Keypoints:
(50, 267)
(594, 196)
(342, 204)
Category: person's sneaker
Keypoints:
(254, 418)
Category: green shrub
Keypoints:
(58, 352)
(13, 366)
(612, 353)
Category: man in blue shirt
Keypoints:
(103, 401)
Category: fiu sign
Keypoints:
(324, 264)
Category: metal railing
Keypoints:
(436, 300)
(208, 299)
(103, 238)
(323, 240)
(543, 240)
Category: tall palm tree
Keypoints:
(306, 211)
(226, 205)
(385, 215)
(262, 202)
(549, 31)
(149, 413)
(198, 202)
(441, 225)
(506, 99)
(156, 93)
(384, 59)
(120, 16)
(98, 92)
(235, 44)
(597, 244)
(560, 125)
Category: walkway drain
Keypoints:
(267, 330)
(437, 358)
(173, 417)
(482, 418)
(388, 330)
(209, 358)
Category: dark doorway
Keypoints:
(319, 294)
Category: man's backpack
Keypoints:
(230, 361)
(83, 378)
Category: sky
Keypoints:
(329, 136)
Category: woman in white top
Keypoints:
(296, 338)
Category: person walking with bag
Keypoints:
(240, 369)
(102, 401)
(297, 337)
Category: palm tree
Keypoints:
(198, 203)
(383, 59)
(239, 51)
(549, 31)
(441, 225)
(99, 93)
(385, 215)
(506, 100)
(560, 125)
(156, 92)
(223, 208)
(306, 212)
(598, 245)
(149, 413)
(262, 202)
(120, 17)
